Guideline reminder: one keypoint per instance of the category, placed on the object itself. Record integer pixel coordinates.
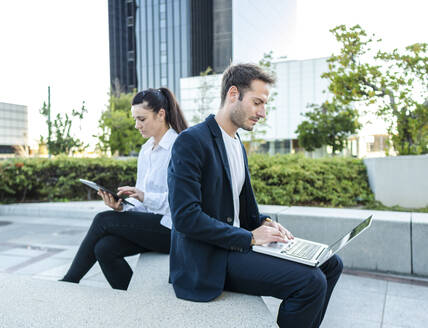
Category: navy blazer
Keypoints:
(201, 203)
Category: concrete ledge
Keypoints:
(420, 243)
(80, 210)
(151, 280)
(28, 302)
(35, 303)
(384, 247)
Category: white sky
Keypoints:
(64, 44)
(59, 43)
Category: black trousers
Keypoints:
(114, 235)
(305, 290)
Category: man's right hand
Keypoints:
(265, 234)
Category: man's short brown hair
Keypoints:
(241, 76)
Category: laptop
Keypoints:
(309, 252)
(97, 187)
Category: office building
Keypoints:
(182, 38)
(122, 45)
(299, 84)
(13, 127)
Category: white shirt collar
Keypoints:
(166, 141)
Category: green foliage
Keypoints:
(260, 129)
(39, 179)
(118, 133)
(297, 180)
(396, 82)
(329, 124)
(203, 101)
(63, 142)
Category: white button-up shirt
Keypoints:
(152, 172)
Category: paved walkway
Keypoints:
(40, 240)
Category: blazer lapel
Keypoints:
(218, 138)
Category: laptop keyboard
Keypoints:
(301, 249)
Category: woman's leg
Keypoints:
(143, 229)
(110, 252)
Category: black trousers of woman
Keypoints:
(113, 236)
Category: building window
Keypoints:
(131, 55)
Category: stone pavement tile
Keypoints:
(7, 261)
(21, 251)
(354, 305)
(356, 283)
(65, 240)
(15, 232)
(408, 291)
(331, 321)
(40, 266)
(57, 271)
(405, 312)
(67, 253)
(355, 302)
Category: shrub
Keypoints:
(297, 180)
(277, 180)
(38, 179)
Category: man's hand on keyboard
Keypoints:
(284, 232)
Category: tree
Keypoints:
(396, 83)
(260, 129)
(63, 142)
(118, 133)
(329, 124)
(203, 101)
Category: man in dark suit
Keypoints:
(216, 219)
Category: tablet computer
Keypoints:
(97, 187)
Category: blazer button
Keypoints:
(229, 220)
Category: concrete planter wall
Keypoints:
(401, 180)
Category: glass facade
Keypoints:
(13, 126)
(163, 43)
(122, 45)
(299, 84)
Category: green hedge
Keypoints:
(297, 180)
(38, 179)
(277, 180)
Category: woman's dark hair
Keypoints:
(163, 98)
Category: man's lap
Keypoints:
(258, 274)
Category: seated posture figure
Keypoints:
(216, 218)
(146, 227)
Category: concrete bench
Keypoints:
(150, 302)
(228, 310)
(396, 241)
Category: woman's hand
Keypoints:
(110, 201)
(131, 192)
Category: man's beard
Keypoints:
(238, 117)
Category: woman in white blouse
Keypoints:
(129, 230)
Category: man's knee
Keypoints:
(315, 286)
(335, 266)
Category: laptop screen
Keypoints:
(338, 245)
